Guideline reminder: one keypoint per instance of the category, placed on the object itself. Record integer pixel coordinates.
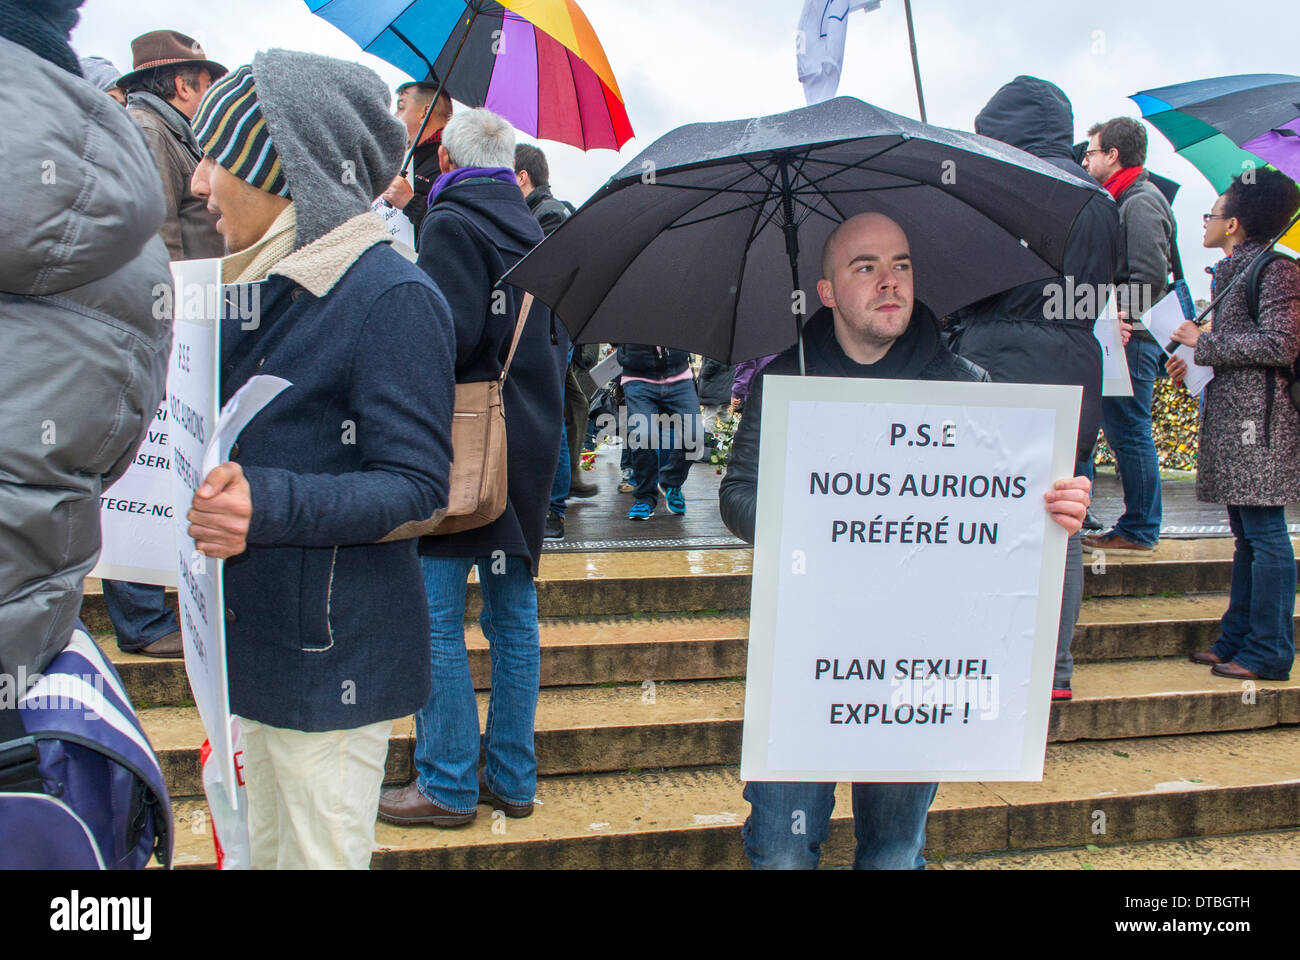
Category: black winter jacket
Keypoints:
(919, 354)
(1043, 332)
(653, 363)
(715, 381)
(550, 213)
(480, 228)
(424, 170)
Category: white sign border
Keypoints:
(778, 393)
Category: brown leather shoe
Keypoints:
(169, 647)
(406, 805)
(1113, 541)
(515, 811)
(1205, 658)
(1234, 672)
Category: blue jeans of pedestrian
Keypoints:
(659, 454)
(139, 614)
(789, 822)
(1126, 422)
(563, 475)
(447, 742)
(1258, 631)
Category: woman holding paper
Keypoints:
(1250, 432)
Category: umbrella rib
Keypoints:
(715, 216)
(713, 190)
(412, 47)
(843, 167)
(895, 186)
(809, 207)
(754, 230)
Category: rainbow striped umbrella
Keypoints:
(1226, 125)
(538, 63)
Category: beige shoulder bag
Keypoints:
(477, 485)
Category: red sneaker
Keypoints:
(1058, 694)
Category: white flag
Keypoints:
(820, 44)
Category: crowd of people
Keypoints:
(323, 593)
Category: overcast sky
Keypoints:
(683, 61)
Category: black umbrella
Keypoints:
(695, 243)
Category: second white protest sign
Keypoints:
(907, 580)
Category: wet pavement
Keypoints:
(600, 523)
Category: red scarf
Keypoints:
(1122, 181)
(435, 137)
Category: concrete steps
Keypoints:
(640, 716)
(698, 723)
(663, 647)
(1102, 793)
(614, 584)
(1274, 850)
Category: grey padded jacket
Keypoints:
(84, 357)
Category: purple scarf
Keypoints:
(504, 174)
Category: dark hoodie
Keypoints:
(424, 170)
(919, 354)
(474, 232)
(1013, 335)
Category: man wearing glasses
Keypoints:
(1115, 156)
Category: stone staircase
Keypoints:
(639, 729)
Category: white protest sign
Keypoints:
(1116, 381)
(907, 580)
(399, 225)
(1162, 320)
(135, 515)
(193, 395)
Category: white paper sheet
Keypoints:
(248, 402)
(1162, 320)
(1116, 381)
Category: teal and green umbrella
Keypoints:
(1227, 125)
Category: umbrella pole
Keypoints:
(406, 164)
(791, 230)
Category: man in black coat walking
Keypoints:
(477, 228)
(870, 326)
(1043, 332)
(533, 174)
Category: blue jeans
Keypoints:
(563, 476)
(1126, 422)
(563, 481)
(1258, 631)
(447, 740)
(789, 822)
(658, 446)
(139, 613)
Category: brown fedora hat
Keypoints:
(166, 48)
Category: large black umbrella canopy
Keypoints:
(689, 246)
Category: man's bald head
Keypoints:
(867, 284)
(869, 225)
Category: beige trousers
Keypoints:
(312, 797)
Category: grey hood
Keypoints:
(339, 144)
(79, 187)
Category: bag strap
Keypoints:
(524, 309)
(19, 756)
(1255, 279)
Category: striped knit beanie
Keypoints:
(231, 129)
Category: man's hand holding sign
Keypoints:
(220, 514)
(906, 588)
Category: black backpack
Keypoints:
(1254, 279)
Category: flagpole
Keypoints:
(916, 64)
